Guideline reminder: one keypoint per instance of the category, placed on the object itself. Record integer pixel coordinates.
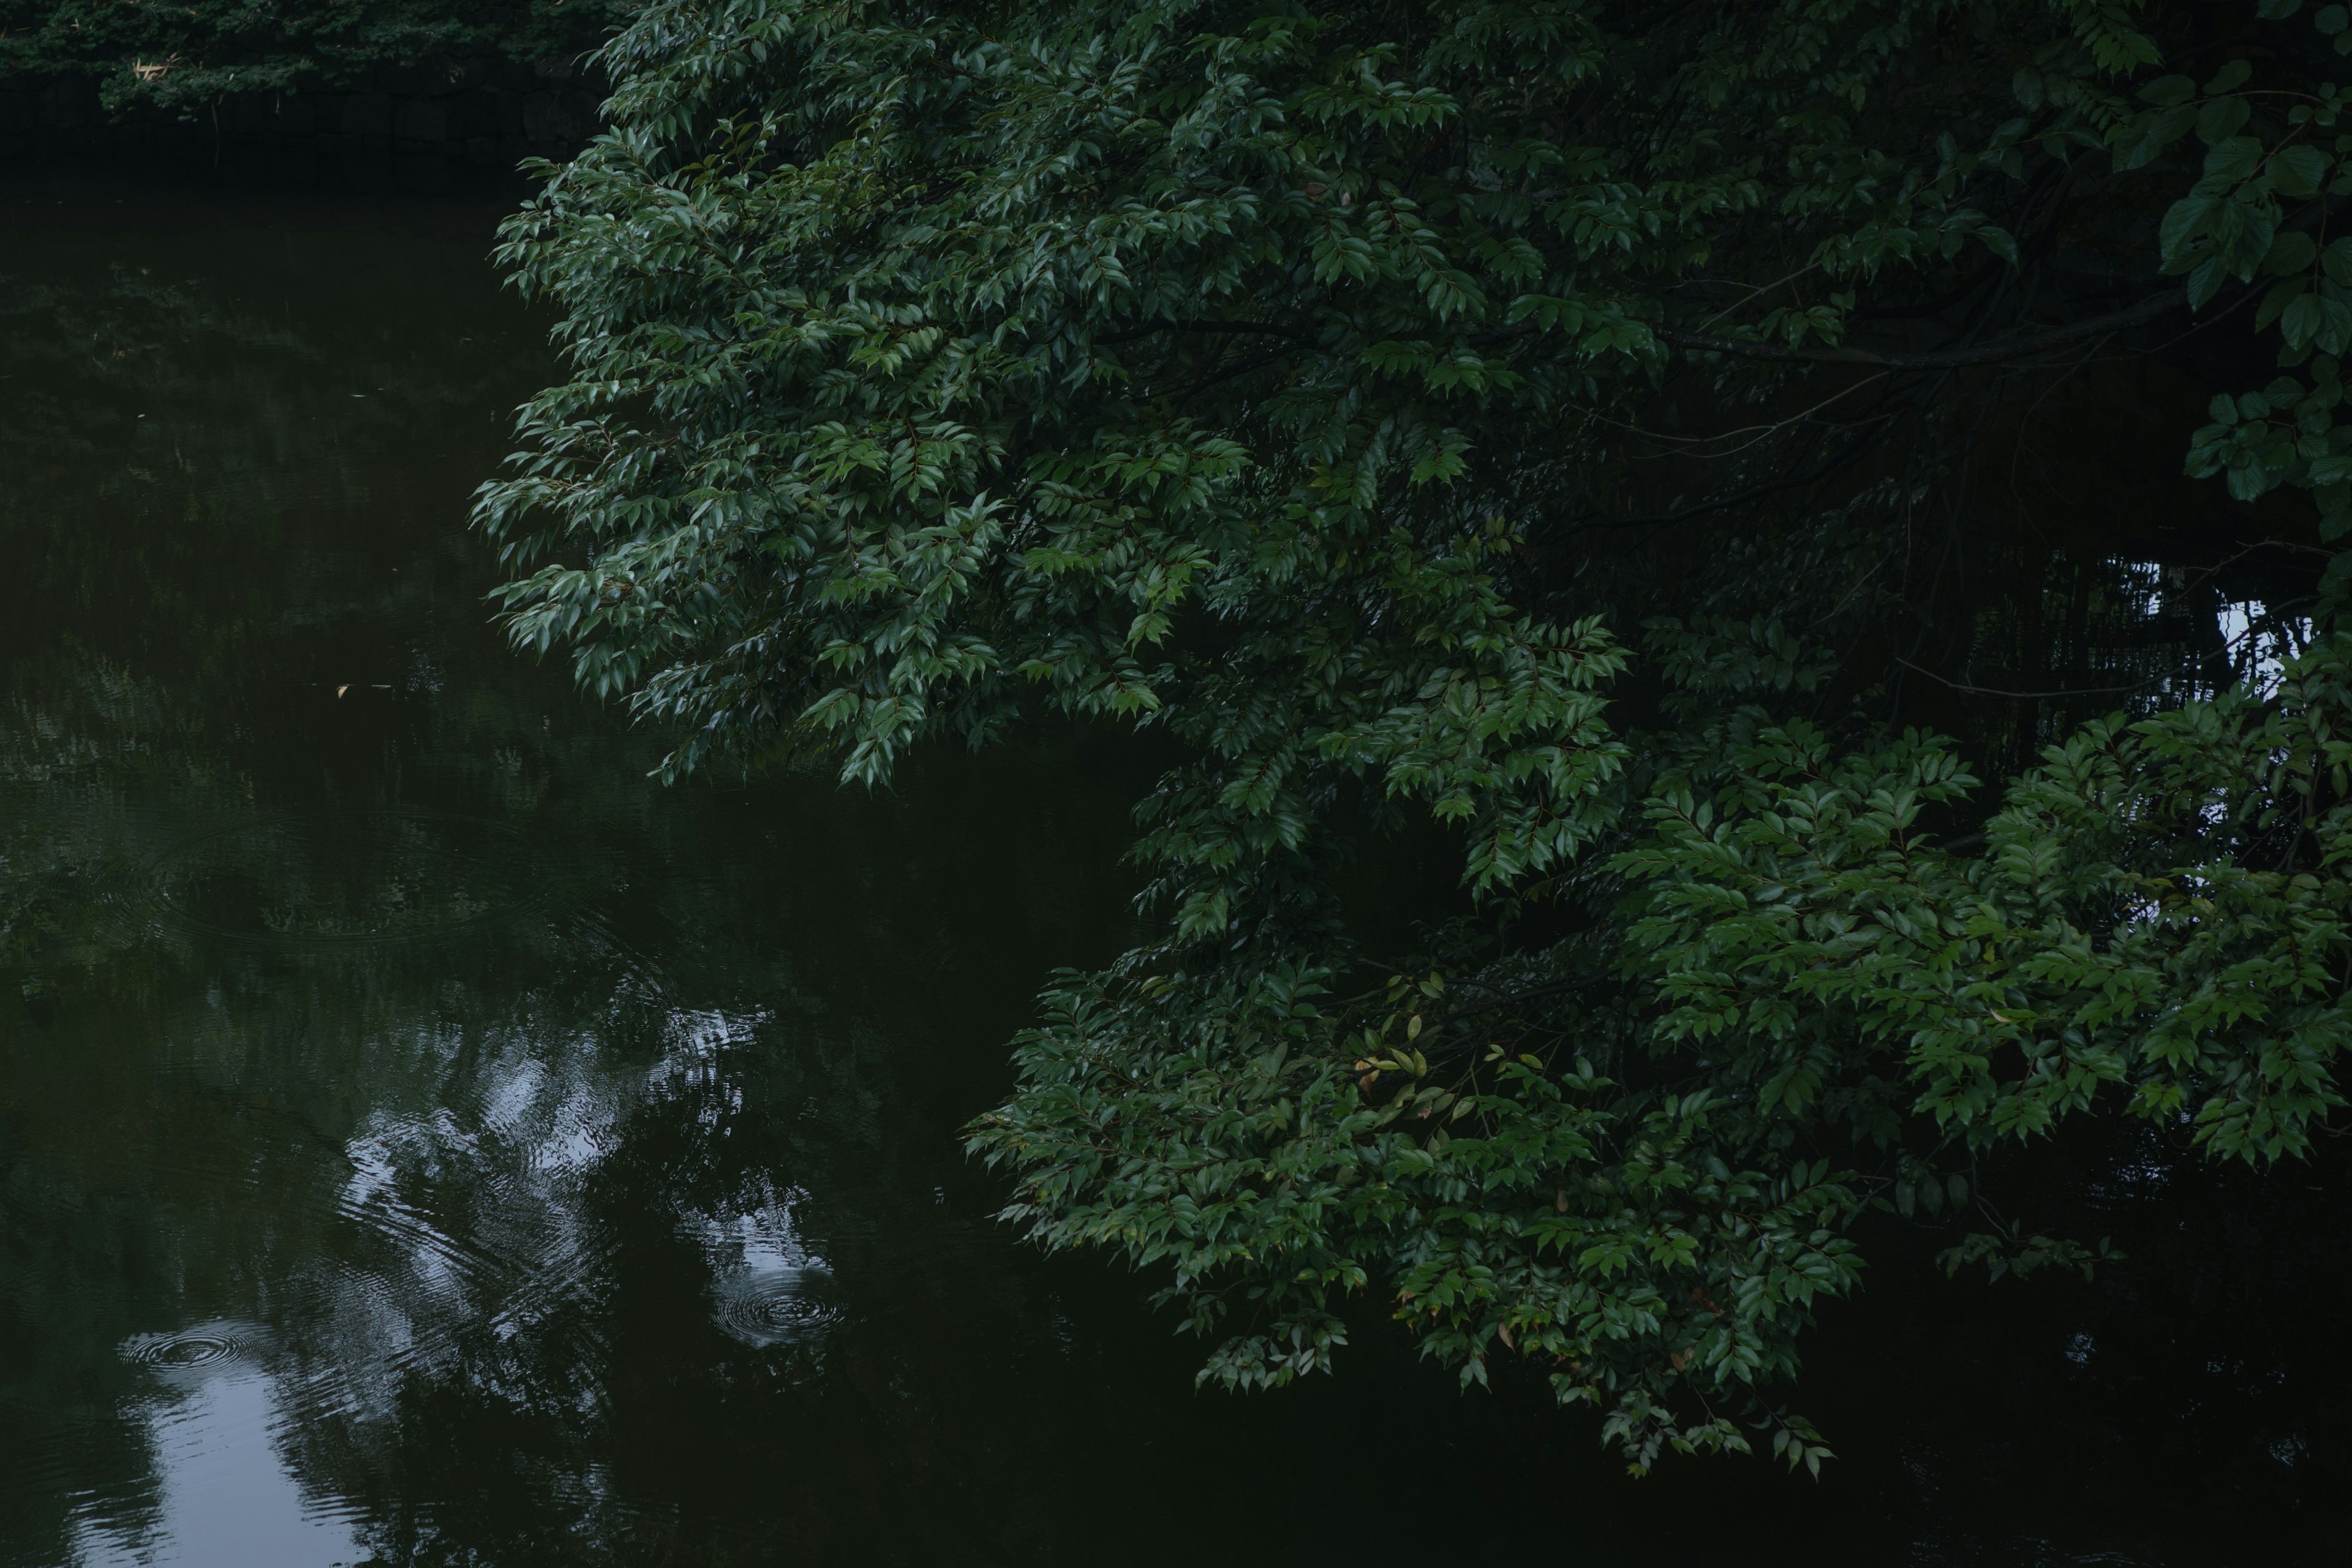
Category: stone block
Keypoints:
(473, 114)
(407, 82)
(368, 114)
(70, 103)
(543, 118)
(421, 175)
(421, 120)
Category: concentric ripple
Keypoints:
(208, 1348)
(385, 876)
(776, 1307)
(189, 1350)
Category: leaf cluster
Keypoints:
(1301, 383)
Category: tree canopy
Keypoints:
(1722, 462)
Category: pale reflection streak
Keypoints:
(467, 1218)
(223, 1496)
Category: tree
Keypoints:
(1606, 429)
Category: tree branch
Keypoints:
(1133, 333)
(2021, 345)
(1851, 452)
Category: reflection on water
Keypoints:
(375, 876)
(397, 1087)
(425, 1142)
(771, 1287)
(224, 1495)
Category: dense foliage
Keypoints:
(184, 56)
(1630, 435)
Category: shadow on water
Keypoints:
(425, 1142)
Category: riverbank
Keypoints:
(487, 112)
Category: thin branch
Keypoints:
(2028, 696)
(1134, 333)
(2219, 655)
(1754, 294)
(1530, 993)
(1245, 368)
(1850, 454)
(2022, 345)
(1755, 433)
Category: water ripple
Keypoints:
(776, 1306)
(209, 1350)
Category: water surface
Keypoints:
(422, 1141)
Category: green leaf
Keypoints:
(2145, 137)
(2186, 221)
(2222, 118)
(2334, 334)
(2304, 320)
(2233, 160)
(2205, 281)
(2277, 300)
(2250, 481)
(2299, 171)
(2293, 251)
(2229, 78)
(2255, 226)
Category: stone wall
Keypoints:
(487, 111)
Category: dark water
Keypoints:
(424, 1141)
